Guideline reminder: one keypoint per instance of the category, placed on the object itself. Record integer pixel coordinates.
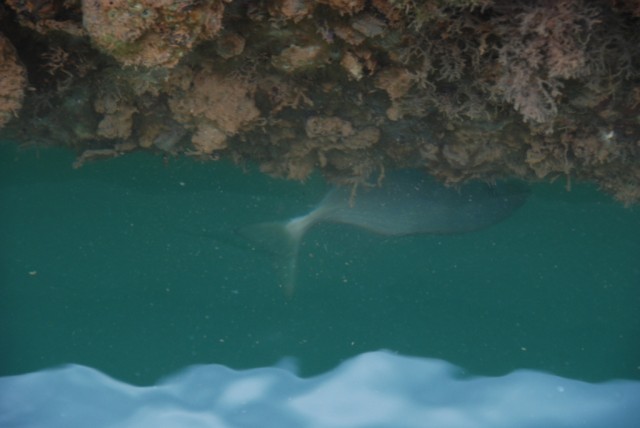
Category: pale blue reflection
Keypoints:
(377, 389)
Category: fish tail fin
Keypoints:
(282, 240)
(287, 272)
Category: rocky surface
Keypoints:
(467, 89)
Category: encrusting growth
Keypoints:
(468, 89)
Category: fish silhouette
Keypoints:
(407, 202)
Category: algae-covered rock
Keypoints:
(150, 33)
(467, 89)
(13, 80)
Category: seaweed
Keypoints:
(465, 89)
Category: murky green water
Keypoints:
(133, 266)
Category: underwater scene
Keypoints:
(135, 271)
(331, 213)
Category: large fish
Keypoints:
(407, 202)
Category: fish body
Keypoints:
(408, 202)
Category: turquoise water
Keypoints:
(133, 266)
